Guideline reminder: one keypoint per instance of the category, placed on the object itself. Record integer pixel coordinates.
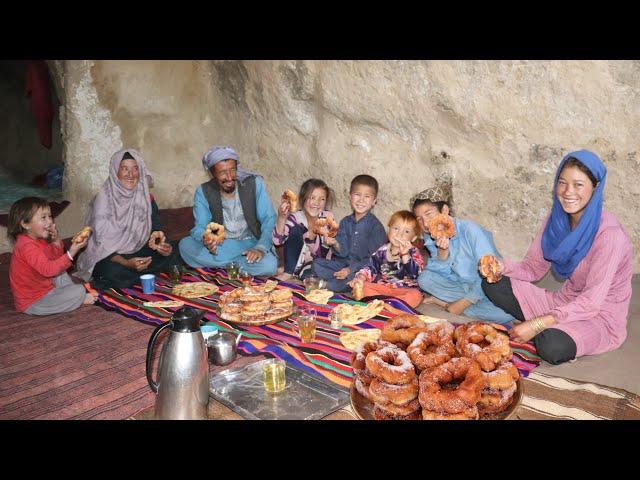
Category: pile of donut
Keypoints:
(436, 371)
(256, 304)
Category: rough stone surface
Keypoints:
(497, 128)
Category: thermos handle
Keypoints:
(152, 340)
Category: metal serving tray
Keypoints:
(306, 396)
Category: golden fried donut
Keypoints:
(403, 329)
(381, 414)
(281, 295)
(359, 356)
(433, 397)
(489, 268)
(496, 401)
(441, 226)
(469, 414)
(214, 231)
(501, 378)
(432, 348)
(326, 226)
(292, 198)
(408, 408)
(383, 393)
(82, 235)
(391, 365)
(362, 388)
(484, 344)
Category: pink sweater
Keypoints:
(593, 303)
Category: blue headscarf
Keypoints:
(561, 246)
(221, 153)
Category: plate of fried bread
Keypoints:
(257, 305)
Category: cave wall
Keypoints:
(498, 129)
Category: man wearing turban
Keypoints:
(238, 200)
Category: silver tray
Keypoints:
(306, 396)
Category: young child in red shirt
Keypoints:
(38, 274)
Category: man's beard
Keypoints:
(229, 189)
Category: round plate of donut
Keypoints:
(256, 305)
(435, 372)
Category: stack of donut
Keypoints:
(464, 373)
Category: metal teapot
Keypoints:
(183, 371)
(223, 348)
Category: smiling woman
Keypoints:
(128, 239)
(584, 244)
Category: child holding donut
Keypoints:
(359, 235)
(296, 230)
(394, 268)
(38, 274)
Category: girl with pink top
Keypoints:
(591, 250)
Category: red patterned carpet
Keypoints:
(89, 364)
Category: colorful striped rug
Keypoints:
(325, 356)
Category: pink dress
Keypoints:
(593, 303)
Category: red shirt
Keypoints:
(34, 264)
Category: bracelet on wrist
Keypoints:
(69, 255)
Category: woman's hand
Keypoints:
(522, 333)
(138, 263)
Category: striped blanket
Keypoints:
(325, 356)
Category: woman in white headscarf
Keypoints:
(127, 239)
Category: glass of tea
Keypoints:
(307, 324)
(245, 278)
(233, 270)
(274, 376)
(175, 273)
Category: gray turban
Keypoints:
(218, 154)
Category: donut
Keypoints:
(484, 344)
(391, 365)
(501, 378)
(380, 414)
(325, 227)
(82, 235)
(281, 295)
(383, 393)
(469, 414)
(362, 388)
(292, 198)
(403, 329)
(359, 356)
(432, 348)
(491, 402)
(393, 409)
(441, 226)
(490, 268)
(214, 231)
(433, 397)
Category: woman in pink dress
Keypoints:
(585, 246)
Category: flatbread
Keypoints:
(354, 314)
(428, 319)
(194, 289)
(353, 340)
(164, 304)
(319, 296)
